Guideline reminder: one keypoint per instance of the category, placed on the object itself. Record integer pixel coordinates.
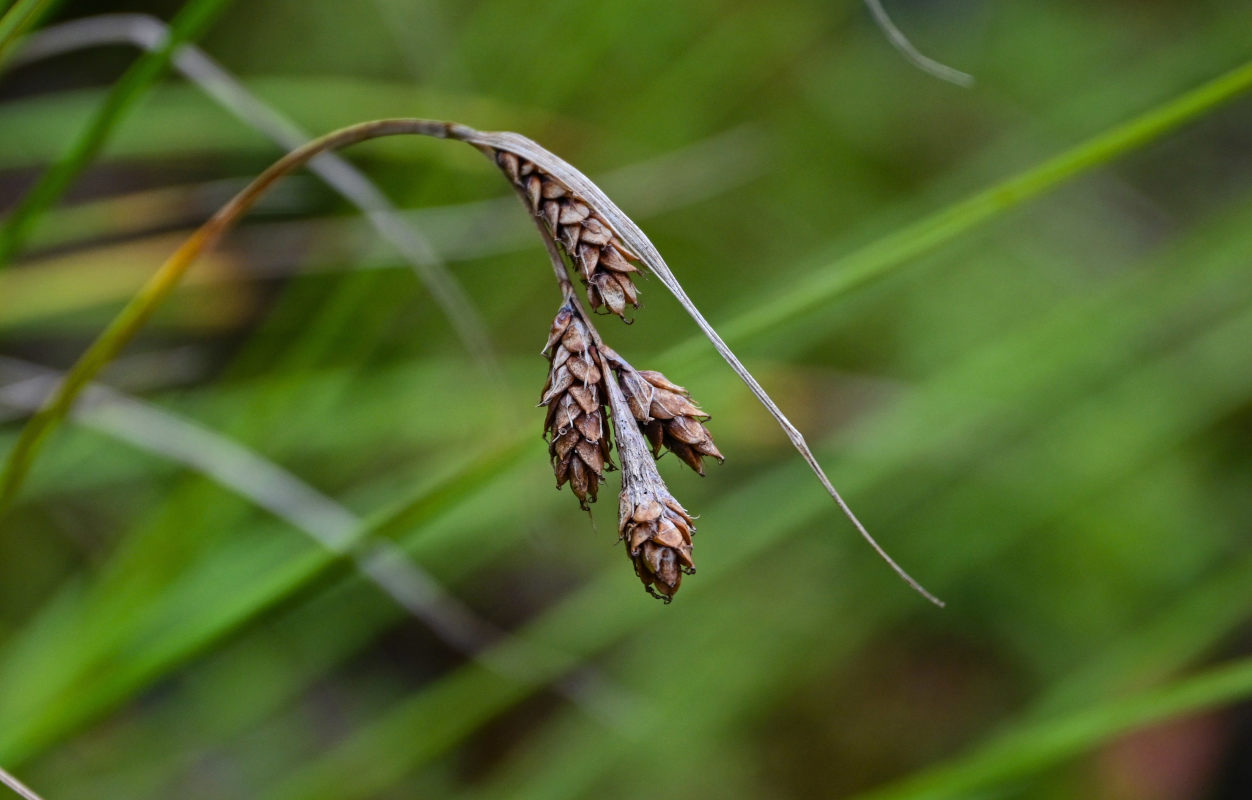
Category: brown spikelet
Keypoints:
(578, 439)
(602, 259)
(657, 532)
(666, 415)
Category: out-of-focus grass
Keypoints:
(192, 20)
(1045, 418)
(18, 17)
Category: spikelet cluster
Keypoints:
(588, 383)
(657, 532)
(602, 259)
(578, 439)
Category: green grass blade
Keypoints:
(20, 17)
(890, 252)
(48, 713)
(190, 23)
(1032, 749)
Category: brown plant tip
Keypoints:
(599, 255)
(578, 438)
(657, 532)
(666, 415)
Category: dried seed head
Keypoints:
(657, 532)
(590, 243)
(577, 436)
(600, 256)
(666, 415)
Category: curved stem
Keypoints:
(901, 43)
(140, 307)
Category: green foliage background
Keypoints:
(1014, 321)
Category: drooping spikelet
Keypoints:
(600, 256)
(578, 438)
(657, 532)
(666, 414)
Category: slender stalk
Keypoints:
(1033, 748)
(140, 307)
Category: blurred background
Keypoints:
(301, 540)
